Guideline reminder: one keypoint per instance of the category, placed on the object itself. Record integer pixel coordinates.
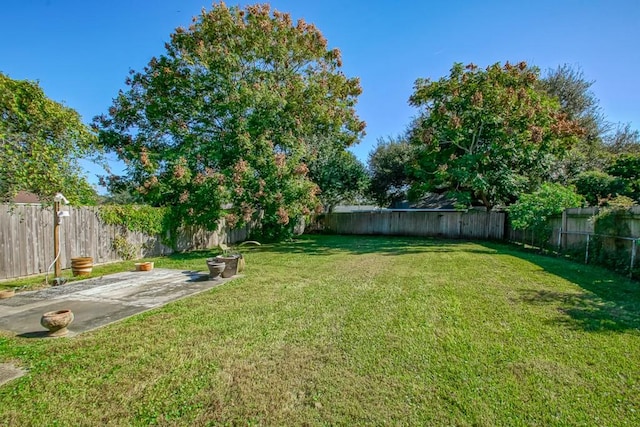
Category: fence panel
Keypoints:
(26, 239)
(447, 224)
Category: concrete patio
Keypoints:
(99, 301)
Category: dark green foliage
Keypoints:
(595, 185)
(626, 167)
(341, 177)
(389, 164)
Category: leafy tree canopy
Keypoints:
(569, 86)
(341, 177)
(626, 168)
(41, 141)
(623, 140)
(389, 164)
(596, 186)
(222, 118)
(487, 134)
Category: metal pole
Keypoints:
(56, 238)
(586, 252)
(633, 257)
(559, 239)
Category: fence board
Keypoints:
(448, 224)
(26, 239)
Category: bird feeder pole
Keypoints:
(56, 238)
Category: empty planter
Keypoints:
(56, 322)
(81, 266)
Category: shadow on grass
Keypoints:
(608, 301)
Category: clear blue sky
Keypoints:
(81, 50)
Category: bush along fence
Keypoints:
(605, 236)
(27, 248)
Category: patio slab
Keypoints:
(99, 301)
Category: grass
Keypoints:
(331, 330)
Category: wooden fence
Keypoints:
(26, 239)
(436, 223)
(570, 229)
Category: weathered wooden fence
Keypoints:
(570, 229)
(574, 232)
(436, 223)
(26, 239)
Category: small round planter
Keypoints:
(7, 293)
(82, 266)
(56, 322)
(144, 266)
(215, 268)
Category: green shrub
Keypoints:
(533, 210)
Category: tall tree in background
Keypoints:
(487, 134)
(622, 140)
(389, 164)
(41, 142)
(341, 177)
(223, 116)
(570, 87)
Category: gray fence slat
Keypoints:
(456, 225)
(26, 239)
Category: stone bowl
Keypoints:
(215, 268)
(56, 322)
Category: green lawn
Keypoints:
(337, 330)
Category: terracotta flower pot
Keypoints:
(56, 322)
(144, 266)
(7, 293)
(82, 266)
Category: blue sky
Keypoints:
(81, 50)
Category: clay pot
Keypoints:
(7, 293)
(82, 266)
(56, 322)
(144, 266)
(215, 268)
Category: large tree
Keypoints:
(622, 140)
(389, 165)
(573, 91)
(571, 88)
(222, 117)
(487, 134)
(340, 176)
(41, 142)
